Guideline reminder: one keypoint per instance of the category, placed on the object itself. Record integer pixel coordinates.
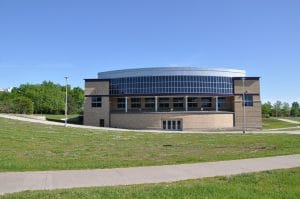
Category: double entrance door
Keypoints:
(175, 125)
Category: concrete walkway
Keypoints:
(289, 121)
(19, 181)
(26, 119)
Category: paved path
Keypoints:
(19, 181)
(26, 119)
(289, 121)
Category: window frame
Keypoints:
(149, 102)
(95, 102)
(221, 103)
(121, 104)
(164, 102)
(206, 104)
(135, 102)
(178, 102)
(248, 101)
(192, 102)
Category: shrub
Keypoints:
(22, 105)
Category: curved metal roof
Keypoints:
(171, 71)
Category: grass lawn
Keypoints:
(273, 123)
(31, 146)
(270, 184)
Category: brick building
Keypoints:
(173, 98)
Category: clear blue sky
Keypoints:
(48, 39)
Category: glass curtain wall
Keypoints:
(171, 84)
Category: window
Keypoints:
(206, 102)
(101, 122)
(248, 100)
(171, 84)
(96, 101)
(150, 102)
(221, 102)
(163, 102)
(178, 102)
(135, 102)
(192, 102)
(121, 103)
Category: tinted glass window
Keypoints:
(164, 102)
(206, 102)
(171, 84)
(248, 100)
(135, 102)
(96, 102)
(150, 102)
(221, 101)
(192, 102)
(121, 103)
(178, 102)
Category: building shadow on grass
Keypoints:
(73, 120)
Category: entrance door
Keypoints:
(175, 125)
(101, 123)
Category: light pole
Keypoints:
(244, 112)
(66, 102)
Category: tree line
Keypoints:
(44, 98)
(280, 109)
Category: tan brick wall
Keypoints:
(92, 115)
(154, 120)
(252, 113)
(251, 86)
(97, 88)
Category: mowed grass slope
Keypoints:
(270, 184)
(29, 146)
(273, 123)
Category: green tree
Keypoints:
(47, 98)
(277, 107)
(13, 103)
(78, 96)
(71, 105)
(22, 105)
(286, 109)
(6, 103)
(295, 110)
(267, 109)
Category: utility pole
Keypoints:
(66, 102)
(244, 111)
